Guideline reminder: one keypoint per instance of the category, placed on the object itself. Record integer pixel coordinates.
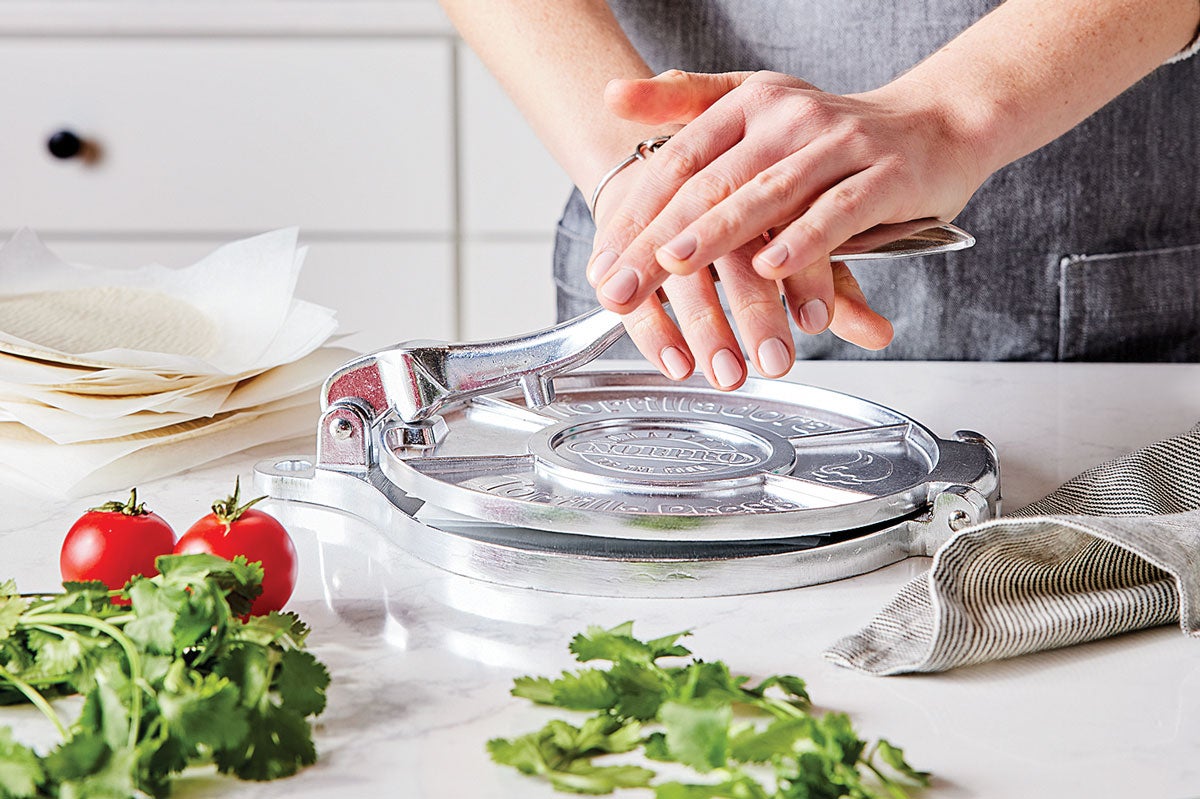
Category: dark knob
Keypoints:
(64, 144)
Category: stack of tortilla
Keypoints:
(109, 377)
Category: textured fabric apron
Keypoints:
(1088, 249)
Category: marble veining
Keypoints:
(422, 660)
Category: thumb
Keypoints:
(853, 318)
(674, 97)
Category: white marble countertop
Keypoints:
(422, 660)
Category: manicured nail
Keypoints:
(774, 358)
(813, 316)
(676, 363)
(681, 247)
(621, 286)
(600, 265)
(727, 369)
(774, 255)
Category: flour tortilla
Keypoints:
(76, 322)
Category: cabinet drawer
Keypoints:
(229, 134)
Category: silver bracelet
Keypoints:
(639, 154)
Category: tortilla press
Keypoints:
(495, 460)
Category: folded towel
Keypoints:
(1113, 550)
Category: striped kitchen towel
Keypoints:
(1115, 549)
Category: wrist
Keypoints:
(613, 149)
(962, 126)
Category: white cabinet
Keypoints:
(229, 134)
(424, 197)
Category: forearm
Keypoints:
(554, 60)
(1031, 70)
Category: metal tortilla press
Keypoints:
(496, 461)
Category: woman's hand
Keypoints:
(767, 152)
(704, 339)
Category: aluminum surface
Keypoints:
(580, 565)
(638, 456)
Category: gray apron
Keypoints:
(1088, 249)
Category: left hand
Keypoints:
(769, 152)
(704, 339)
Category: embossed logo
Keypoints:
(662, 453)
(866, 467)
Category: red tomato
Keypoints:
(232, 530)
(113, 542)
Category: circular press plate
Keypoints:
(637, 456)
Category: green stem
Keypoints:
(131, 654)
(35, 698)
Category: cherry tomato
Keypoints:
(114, 542)
(232, 530)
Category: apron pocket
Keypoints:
(1131, 306)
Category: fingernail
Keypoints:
(676, 363)
(774, 255)
(727, 369)
(813, 316)
(621, 286)
(600, 265)
(681, 247)
(774, 358)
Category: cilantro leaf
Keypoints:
(586, 689)
(697, 734)
(85, 766)
(11, 608)
(641, 688)
(302, 681)
(174, 678)
(894, 757)
(561, 753)
(278, 745)
(689, 712)
(618, 644)
(755, 745)
(239, 581)
(20, 769)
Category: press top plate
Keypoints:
(637, 456)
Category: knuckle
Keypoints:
(758, 309)
(761, 91)
(710, 188)
(676, 164)
(846, 199)
(643, 327)
(779, 184)
(808, 236)
(706, 316)
(624, 226)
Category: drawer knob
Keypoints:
(64, 144)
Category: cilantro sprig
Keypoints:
(178, 677)
(746, 742)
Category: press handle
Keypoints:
(415, 380)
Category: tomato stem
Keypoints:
(130, 508)
(228, 510)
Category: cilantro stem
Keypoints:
(35, 698)
(46, 621)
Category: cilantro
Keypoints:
(177, 678)
(562, 754)
(696, 717)
(20, 769)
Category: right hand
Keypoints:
(704, 337)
